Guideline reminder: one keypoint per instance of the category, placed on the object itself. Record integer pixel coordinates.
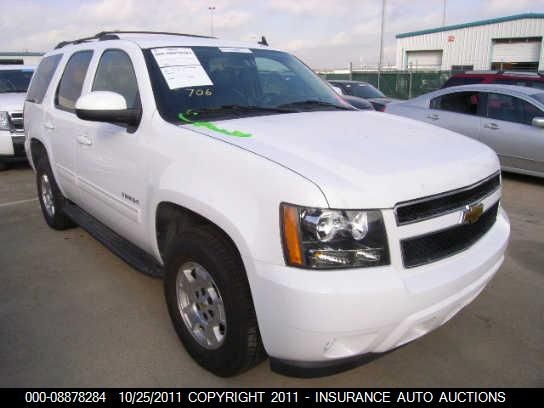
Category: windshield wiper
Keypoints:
(312, 103)
(242, 109)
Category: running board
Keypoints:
(128, 252)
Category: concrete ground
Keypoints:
(73, 314)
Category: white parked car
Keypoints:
(284, 222)
(14, 80)
(507, 118)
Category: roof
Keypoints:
(473, 24)
(20, 54)
(152, 40)
(15, 67)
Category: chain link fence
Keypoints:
(398, 84)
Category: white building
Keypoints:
(22, 58)
(509, 43)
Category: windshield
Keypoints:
(363, 91)
(15, 80)
(233, 82)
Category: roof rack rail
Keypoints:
(112, 35)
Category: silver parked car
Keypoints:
(509, 119)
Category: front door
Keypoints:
(507, 128)
(111, 161)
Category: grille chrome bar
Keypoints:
(421, 209)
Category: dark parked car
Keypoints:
(530, 79)
(359, 103)
(363, 90)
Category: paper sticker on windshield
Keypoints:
(180, 67)
(233, 49)
(185, 76)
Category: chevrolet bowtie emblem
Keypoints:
(472, 213)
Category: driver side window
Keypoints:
(115, 73)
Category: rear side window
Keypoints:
(115, 73)
(454, 81)
(460, 102)
(42, 78)
(70, 85)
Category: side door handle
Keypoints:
(433, 116)
(49, 126)
(84, 140)
(491, 125)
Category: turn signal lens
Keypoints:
(291, 235)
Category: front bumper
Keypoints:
(308, 316)
(12, 146)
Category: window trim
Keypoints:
(55, 99)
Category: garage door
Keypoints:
(424, 59)
(516, 51)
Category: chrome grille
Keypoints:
(16, 121)
(417, 251)
(421, 209)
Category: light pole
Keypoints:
(381, 44)
(443, 13)
(212, 9)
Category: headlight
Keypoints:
(323, 238)
(4, 121)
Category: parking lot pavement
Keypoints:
(73, 314)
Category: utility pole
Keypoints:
(212, 9)
(443, 13)
(381, 43)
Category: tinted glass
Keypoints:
(70, 85)
(460, 102)
(15, 80)
(252, 80)
(363, 91)
(454, 81)
(510, 109)
(42, 78)
(115, 73)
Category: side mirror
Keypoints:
(105, 106)
(538, 122)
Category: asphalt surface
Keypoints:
(73, 314)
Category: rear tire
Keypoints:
(50, 197)
(209, 301)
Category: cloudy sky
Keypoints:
(324, 33)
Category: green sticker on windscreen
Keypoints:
(211, 126)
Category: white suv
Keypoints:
(285, 223)
(14, 80)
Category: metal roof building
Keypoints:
(509, 43)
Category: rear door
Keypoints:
(456, 111)
(507, 128)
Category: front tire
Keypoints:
(209, 301)
(3, 166)
(50, 197)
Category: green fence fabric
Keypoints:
(399, 84)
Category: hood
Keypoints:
(12, 101)
(362, 161)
